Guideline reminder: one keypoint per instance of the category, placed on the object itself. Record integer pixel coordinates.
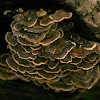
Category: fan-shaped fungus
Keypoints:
(40, 53)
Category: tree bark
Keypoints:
(89, 11)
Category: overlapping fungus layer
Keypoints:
(40, 53)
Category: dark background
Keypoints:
(18, 89)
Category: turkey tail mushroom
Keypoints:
(41, 53)
(5, 72)
(60, 15)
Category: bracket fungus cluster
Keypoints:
(40, 53)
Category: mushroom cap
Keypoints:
(87, 66)
(24, 42)
(16, 26)
(60, 15)
(5, 75)
(46, 21)
(21, 62)
(55, 70)
(67, 59)
(39, 60)
(92, 56)
(41, 13)
(48, 76)
(69, 67)
(52, 64)
(22, 69)
(37, 28)
(88, 45)
(21, 52)
(29, 23)
(76, 61)
(63, 74)
(11, 63)
(68, 47)
(11, 39)
(35, 38)
(53, 37)
(78, 52)
(50, 48)
(20, 10)
(27, 49)
(22, 77)
(60, 86)
(97, 49)
(3, 59)
(85, 79)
